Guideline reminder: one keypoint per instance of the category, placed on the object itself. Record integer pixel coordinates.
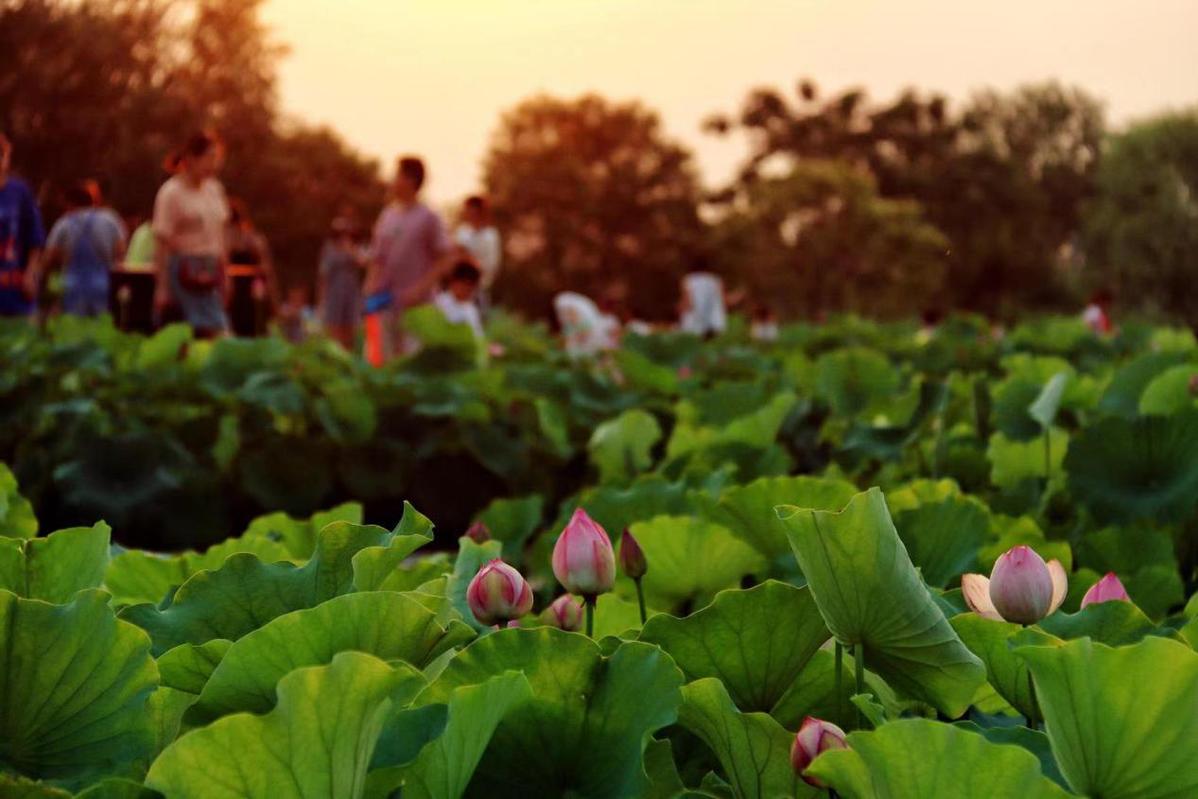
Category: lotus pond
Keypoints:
(864, 561)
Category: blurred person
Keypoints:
(88, 242)
(251, 270)
(409, 251)
(477, 236)
(765, 323)
(340, 290)
(190, 216)
(296, 316)
(585, 329)
(21, 238)
(1096, 314)
(459, 300)
(139, 255)
(703, 309)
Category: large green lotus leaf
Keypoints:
(691, 559)
(299, 535)
(55, 567)
(621, 448)
(1033, 741)
(374, 565)
(640, 372)
(923, 759)
(756, 641)
(1110, 623)
(117, 788)
(318, 741)
(1133, 469)
(888, 441)
(753, 749)
(16, 512)
(412, 574)
(990, 640)
(943, 538)
(1048, 401)
(15, 787)
(1012, 398)
(444, 767)
(163, 348)
(73, 687)
(1122, 722)
(921, 491)
(849, 380)
(1169, 392)
(512, 520)
(747, 511)
(756, 430)
(814, 693)
(870, 594)
(187, 667)
(387, 625)
(1122, 396)
(164, 711)
(584, 730)
(619, 617)
(1012, 462)
(245, 593)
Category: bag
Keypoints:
(199, 273)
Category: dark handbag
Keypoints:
(199, 273)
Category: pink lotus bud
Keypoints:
(1108, 589)
(632, 557)
(498, 593)
(478, 532)
(815, 736)
(1022, 588)
(583, 560)
(565, 613)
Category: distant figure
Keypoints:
(87, 242)
(765, 323)
(1097, 313)
(585, 329)
(140, 253)
(247, 248)
(190, 215)
(21, 239)
(296, 317)
(409, 251)
(341, 265)
(477, 236)
(459, 301)
(703, 310)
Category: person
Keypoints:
(21, 239)
(88, 241)
(250, 266)
(409, 251)
(139, 255)
(459, 300)
(703, 311)
(1096, 315)
(479, 238)
(190, 214)
(765, 323)
(341, 265)
(296, 316)
(585, 329)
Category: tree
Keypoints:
(1141, 231)
(591, 196)
(822, 240)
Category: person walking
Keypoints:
(21, 239)
(88, 242)
(190, 213)
(480, 240)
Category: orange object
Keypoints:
(374, 339)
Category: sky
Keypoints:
(433, 76)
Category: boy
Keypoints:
(458, 302)
(21, 239)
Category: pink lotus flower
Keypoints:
(815, 736)
(498, 593)
(565, 613)
(1022, 588)
(632, 557)
(1108, 589)
(478, 532)
(583, 560)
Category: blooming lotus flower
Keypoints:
(1022, 588)
(632, 557)
(1108, 589)
(478, 532)
(583, 560)
(565, 613)
(814, 737)
(498, 593)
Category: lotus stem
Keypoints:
(859, 661)
(640, 598)
(1047, 459)
(590, 600)
(839, 680)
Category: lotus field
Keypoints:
(867, 560)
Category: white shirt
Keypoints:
(585, 328)
(705, 312)
(483, 244)
(191, 217)
(459, 312)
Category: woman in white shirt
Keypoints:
(479, 238)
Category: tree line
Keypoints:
(1006, 202)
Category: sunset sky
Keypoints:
(432, 76)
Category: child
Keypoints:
(1096, 316)
(765, 323)
(341, 267)
(458, 301)
(296, 317)
(703, 306)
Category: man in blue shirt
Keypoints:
(21, 237)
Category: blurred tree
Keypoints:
(1141, 231)
(1004, 180)
(591, 197)
(821, 239)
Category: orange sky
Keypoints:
(431, 76)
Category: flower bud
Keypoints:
(565, 613)
(1022, 587)
(815, 736)
(583, 560)
(478, 532)
(1108, 589)
(498, 593)
(632, 557)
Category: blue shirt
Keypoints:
(20, 231)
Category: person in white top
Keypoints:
(479, 238)
(703, 308)
(585, 329)
(458, 300)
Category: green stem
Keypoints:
(1047, 459)
(590, 601)
(839, 679)
(640, 598)
(859, 660)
